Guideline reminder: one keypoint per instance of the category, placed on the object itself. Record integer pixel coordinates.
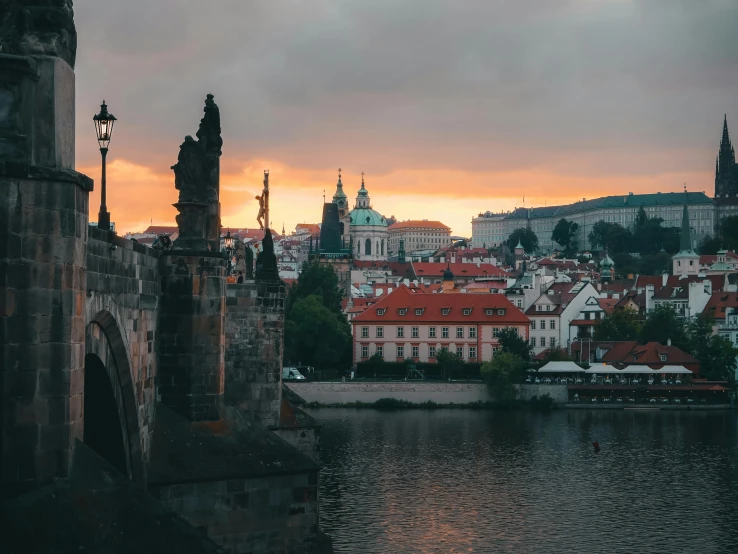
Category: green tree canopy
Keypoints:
(716, 354)
(318, 279)
(565, 234)
(728, 232)
(316, 335)
(526, 237)
(622, 324)
(662, 325)
(450, 362)
(557, 354)
(501, 373)
(709, 245)
(613, 237)
(512, 342)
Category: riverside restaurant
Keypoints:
(635, 384)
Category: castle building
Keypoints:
(418, 236)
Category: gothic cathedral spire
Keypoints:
(726, 174)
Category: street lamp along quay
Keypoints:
(104, 128)
(228, 243)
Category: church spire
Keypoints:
(685, 243)
(726, 174)
(340, 197)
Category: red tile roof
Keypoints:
(622, 353)
(459, 269)
(432, 304)
(398, 269)
(161, 229)
(607, 304)
(417, 224)
(718, 281)
(718, 302)
(310, 228)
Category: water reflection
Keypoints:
(471, 481)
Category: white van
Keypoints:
(291, 374)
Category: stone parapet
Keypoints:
(254, 345)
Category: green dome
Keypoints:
(367, 216)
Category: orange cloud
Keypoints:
(139, 195)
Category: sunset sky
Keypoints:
(451, 107)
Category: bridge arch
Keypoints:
(111, 393)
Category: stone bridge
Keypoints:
(133, 378)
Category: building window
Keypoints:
(380, 332)
(495, 331)
(445, 311)
(501, 311)
(472, 332)
(459, 332)
(364, 351)
(431, 332)
(400, 332)
(543, 324)
(489, 311)
(543, 341)
(364, 332)
(380, 311)
(532, 341)
(414, 332)
(403, 311)
(467, 311)
(552, 324)
(444, 332)
(380, 351)
(415, 351)
(431, 351)
(519, 303)
(533, 324)
(400, 351)
(663, 357)
(494, 350)
(472, 351)
(419, 311)
(460, 351)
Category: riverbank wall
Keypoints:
(417, 393)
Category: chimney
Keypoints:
(649, 296)
(664, 278)
(668, 342)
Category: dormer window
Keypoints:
(445, 311)
(663, 357)
(489, 311)
(501, 311)
(467, 311)
(419, 311)
(380, 311)
(402, 311)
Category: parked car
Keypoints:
(292, 374)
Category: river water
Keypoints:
(493, 481)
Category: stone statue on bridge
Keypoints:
(197, 178)
(38, 27)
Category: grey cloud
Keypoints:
(419, 83)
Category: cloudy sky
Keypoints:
(450, 107)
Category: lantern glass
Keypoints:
(104, 122)
(228, 241)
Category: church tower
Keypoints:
(341, 200)
(726, 174)
(686, 261)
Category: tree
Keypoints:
(316, 279)
(557, 354)
(450, 362)
(316, 335)
(716, 354)
(671, 239)
(565, 234)
(662, 325)
(624, 264)
(526, 237)
(512, 342)
(654, 264)
(622, 324)
(611, 236)
(501, 373)
(709, 245)
(729, 232)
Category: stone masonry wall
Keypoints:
(253, 349)
(43, 229)
(192, 333)
(123, 281)
(276, 514)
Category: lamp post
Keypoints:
(228, 243)
(104, 128)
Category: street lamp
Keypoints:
(228, 243)
(104, 128)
